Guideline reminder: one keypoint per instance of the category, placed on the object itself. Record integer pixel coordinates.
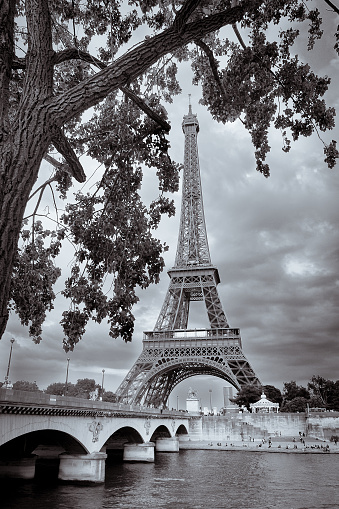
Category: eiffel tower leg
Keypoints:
(174, 312)
(181, 320)
(214, 308)
(244, 373)
(126, 392)
(159, 389)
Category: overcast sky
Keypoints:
(274, 241)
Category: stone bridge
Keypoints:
(80, 434)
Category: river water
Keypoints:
(195, 480)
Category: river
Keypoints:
(195, 480)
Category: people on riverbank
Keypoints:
(271, 444)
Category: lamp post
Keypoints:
(9, 365)
(177, 403)
(66, 383)
(102, 384)
(210, 391)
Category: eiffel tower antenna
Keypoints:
(171, 352)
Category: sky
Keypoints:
(275, 242)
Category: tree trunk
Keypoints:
(20, 160)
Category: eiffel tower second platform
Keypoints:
(172, 352)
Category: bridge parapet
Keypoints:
(11, 401)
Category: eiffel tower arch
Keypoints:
(171, 352)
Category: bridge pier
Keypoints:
(183, 439)
(82, 467)
(21, 468)
(167, 444)
(139, 452)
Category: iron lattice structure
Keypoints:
(171, 352)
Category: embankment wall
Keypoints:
(323, 425)
(243, 426)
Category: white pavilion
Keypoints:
(264, 406)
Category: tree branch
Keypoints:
(237, 33)
(73, 53)
(55, 163)
(332, 5)
(18, 63)
(76, 54)
(62, 145)
(64, 56)
(183, 15)
(213, 64)
(49, 181)
(133, 63)
(145, 108)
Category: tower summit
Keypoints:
(171, 352)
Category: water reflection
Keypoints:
(195, 480)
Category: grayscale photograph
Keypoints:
(169, 254)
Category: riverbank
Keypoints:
(289, 445)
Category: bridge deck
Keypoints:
(12, 401)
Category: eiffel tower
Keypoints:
(171, 352)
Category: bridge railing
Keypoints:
(38, 398)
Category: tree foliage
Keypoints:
(23, 385)
(297, 404)
(49, 76)
(327, 391)
(320, 393)
(109, 396)
(273, 394)
(292, 390)
(250, 394)
(56, 388)
(246, 395)
(82, 389)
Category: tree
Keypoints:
(57, 388)
(333, 397)
(109, 396)
(321, 393)
(246, 395)
(23, 385)
(47, 86)
(297, 404)
(82, 389)
(321, 388)
(273, 393)
(292, 390)
(326, 391)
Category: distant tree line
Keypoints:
(85, 388)
(319, 393)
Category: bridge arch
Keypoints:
(181, 430)
(160, 432)
(42, 439)
(121, 436)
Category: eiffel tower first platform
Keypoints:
(171, 352)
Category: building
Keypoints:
(264, 406)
